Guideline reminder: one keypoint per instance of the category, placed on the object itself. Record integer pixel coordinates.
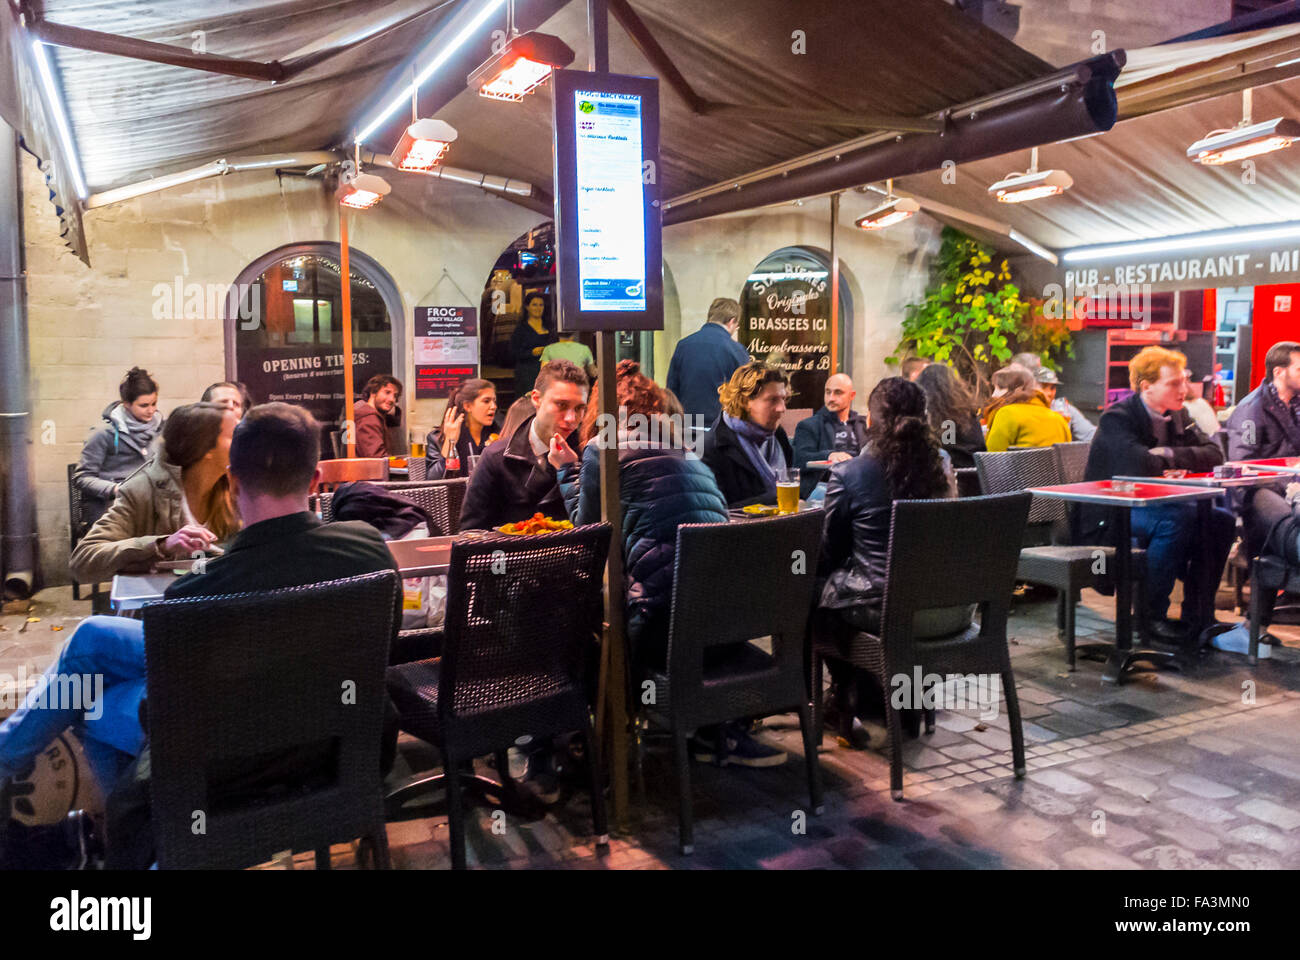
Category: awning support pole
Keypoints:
(345, 292)
(613, 697)
(835, 284)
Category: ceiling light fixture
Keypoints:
(363, 191)
(1032, 184)
(522, 65)
(423, 145)
(1245, 140)
(893, 210)
(55, 99)
(445, 53)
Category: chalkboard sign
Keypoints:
(446, 349)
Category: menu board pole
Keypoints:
(345, 288)
(835, 284)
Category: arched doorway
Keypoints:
(284, 339)
(785, 308)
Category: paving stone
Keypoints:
(1088, 768)
(1201, 787)
(997, 739)
(1191, 838)
(1036, 734)
(1171, 857)
(921, 757)
(1097, 858)
(1141, 763)
(1030, 828)
(1207, 741)
(1061, 782)
(1035, 694)
(1280, 765)
(1271, 813)
(1262, 836)
(1134, 785)
(967, 750)
(1199, 809)
(1067, 726)
(1254, 861)
(956, 722)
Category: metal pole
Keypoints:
(835, 284)
(345, 289)
(18, 537)
(611, 509)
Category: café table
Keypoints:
(1288, 465)
(1121, 497)
(131, 591)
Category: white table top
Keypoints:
(132, 591)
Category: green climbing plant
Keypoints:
(973, 316)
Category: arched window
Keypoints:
(284, 340)
(785, 311)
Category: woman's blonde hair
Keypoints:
(1146, 364)
(747, 383)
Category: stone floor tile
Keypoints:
(1201, 787)
(1274, 814)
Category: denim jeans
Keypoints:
(108, 654)
(1175, 550)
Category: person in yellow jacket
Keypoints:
(1022, 417)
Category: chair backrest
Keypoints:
(952, 553)
(240, 681)
(336, 443)
(794, 416)
(1072, 460)
(334, 472)
(441, 498)
(77, 525)
(734, 583)
(968, 481)
(524, 615)
(417, 468)
(1029, 467)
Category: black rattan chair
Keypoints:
(1048, 559)
(416, 467)
(734, 583)
(1073, 460)
(244, 679)
(942, 553)
(524, 617)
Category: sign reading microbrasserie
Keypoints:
(785, 321)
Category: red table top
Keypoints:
(1142, 494)
(1285, 464)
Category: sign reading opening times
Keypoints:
(608, 223)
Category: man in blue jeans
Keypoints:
(273, 466)
(1143, 436)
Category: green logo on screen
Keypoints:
(586, 106)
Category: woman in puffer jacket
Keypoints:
(121, 445)
(661, 484)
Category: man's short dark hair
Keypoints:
(274, 450)
(1279, 355)
(378, 382)
(560, 371)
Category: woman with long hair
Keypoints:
(902, 460)
(121, 445)
(177, 504)
(953, 413)
(532, 335)
(468, 426)
(1020, 415)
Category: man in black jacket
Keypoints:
(516, 477)
(836, 432)
(747, 447)
(1143, 436)
(1266, 424)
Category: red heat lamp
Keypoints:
(363, 191)
(521, 66)
(423, 145)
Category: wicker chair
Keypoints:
(524, 616)
(441, 498)
(77, 527)
(1055, 563)
(1073, 460)
(416, 467)
(733, 583)
(941, 554)
(242, 676)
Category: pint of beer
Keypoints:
(787, 491)
(417, 446)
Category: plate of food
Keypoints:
(397, 462)
(537, 523)
(759, 510)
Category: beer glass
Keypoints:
(787, 490)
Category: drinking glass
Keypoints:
(787, 490)
(417, 445)
(473, 463)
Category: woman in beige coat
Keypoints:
(176, 504)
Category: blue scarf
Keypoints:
(761, 447)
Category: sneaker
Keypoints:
(742, 750)
(1237, 640)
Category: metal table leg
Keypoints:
(1124, 658)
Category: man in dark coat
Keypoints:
(836, 432)
(516, 478)
(747, 447)
(706, 359)
(1143, 436)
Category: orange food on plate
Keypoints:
(397, 461)
(537, 523)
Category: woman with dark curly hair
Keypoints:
(953, 414)
(902, 460)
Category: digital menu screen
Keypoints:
(608, 220)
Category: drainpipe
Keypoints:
(17, 492)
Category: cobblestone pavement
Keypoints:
(1167, 771)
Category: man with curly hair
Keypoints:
(747, 447)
